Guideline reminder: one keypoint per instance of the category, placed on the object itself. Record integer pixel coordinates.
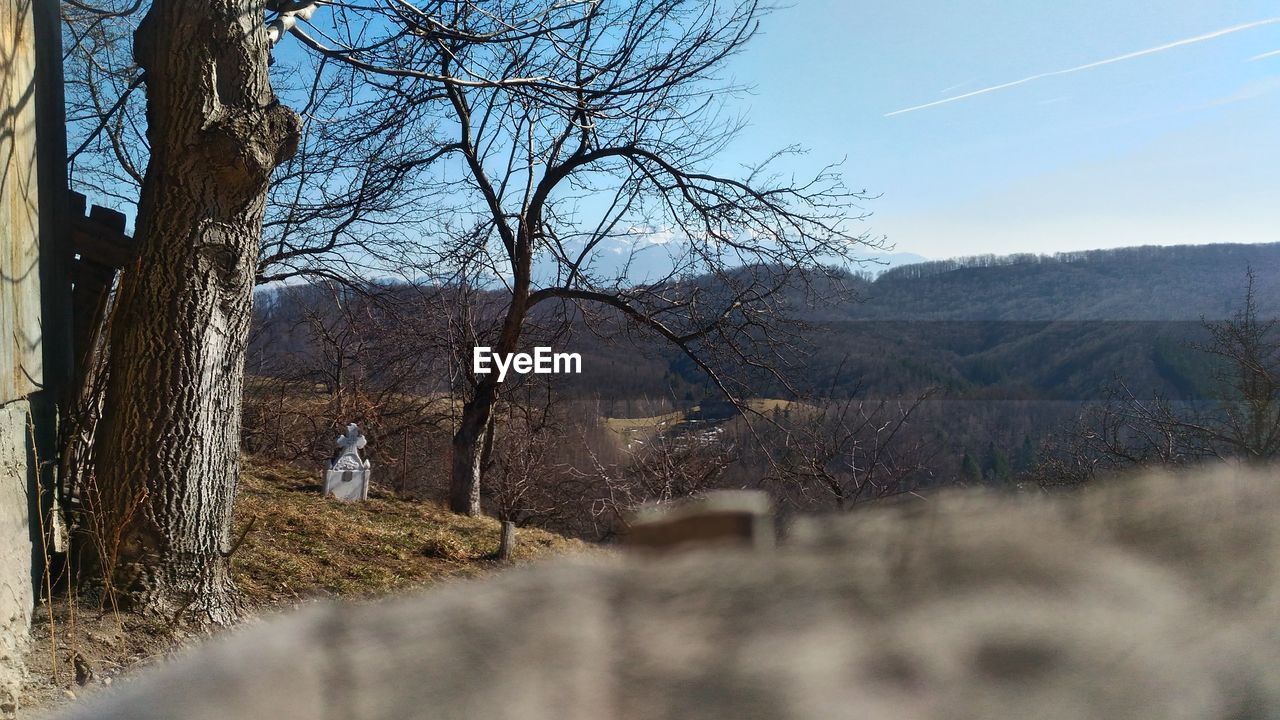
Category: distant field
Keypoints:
(644, 423)
(765, 406)
(645, 429)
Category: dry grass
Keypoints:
(303, 545)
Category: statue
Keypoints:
(349, 446)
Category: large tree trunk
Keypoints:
(168, 447)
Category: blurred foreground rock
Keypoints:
(1152, 598)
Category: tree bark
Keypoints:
(467, 460)
(168, 447)
(466, 465)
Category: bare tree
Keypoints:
(106, 126)
(1242, 423)
(668, 467)
(1121, 432)
(574, 128)
(346, 205)
(548, 134)
(213, 135)
(527, 484)
(1248, 349)
(848, 452)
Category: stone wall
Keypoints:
(1139, 599)
(15, 549)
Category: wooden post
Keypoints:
(404, 464)
(507, 545)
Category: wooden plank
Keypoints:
(101, 248)
(21, 363)
(102, 243)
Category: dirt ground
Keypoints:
(77, 648)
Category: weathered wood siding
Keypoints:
(21, 369)
(21, 366)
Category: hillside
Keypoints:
(993, 328)
(1021, 327)
(1177, 283)
(298, 547)
(1012, 346)
(302, 545)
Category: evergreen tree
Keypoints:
(997, 465)
(1026, 455)
(970, 471)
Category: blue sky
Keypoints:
(1179, 145)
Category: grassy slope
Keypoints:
(303, 545)
(300, 546)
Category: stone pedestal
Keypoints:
(347, 484)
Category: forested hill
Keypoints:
(1140, 283)
(1023, 327)
(1020, 327)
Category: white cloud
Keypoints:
(1249, 91)
(650, 235)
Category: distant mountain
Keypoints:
(1139, 283)
(1022, 327)
(876, 264)
(1060, 326)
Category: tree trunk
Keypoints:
(468, 451)
(168, 447)
(507, 542)
(473, 440)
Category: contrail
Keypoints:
(957, 86)
(1264, 55)
(1090, 66)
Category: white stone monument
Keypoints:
(348, 475)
